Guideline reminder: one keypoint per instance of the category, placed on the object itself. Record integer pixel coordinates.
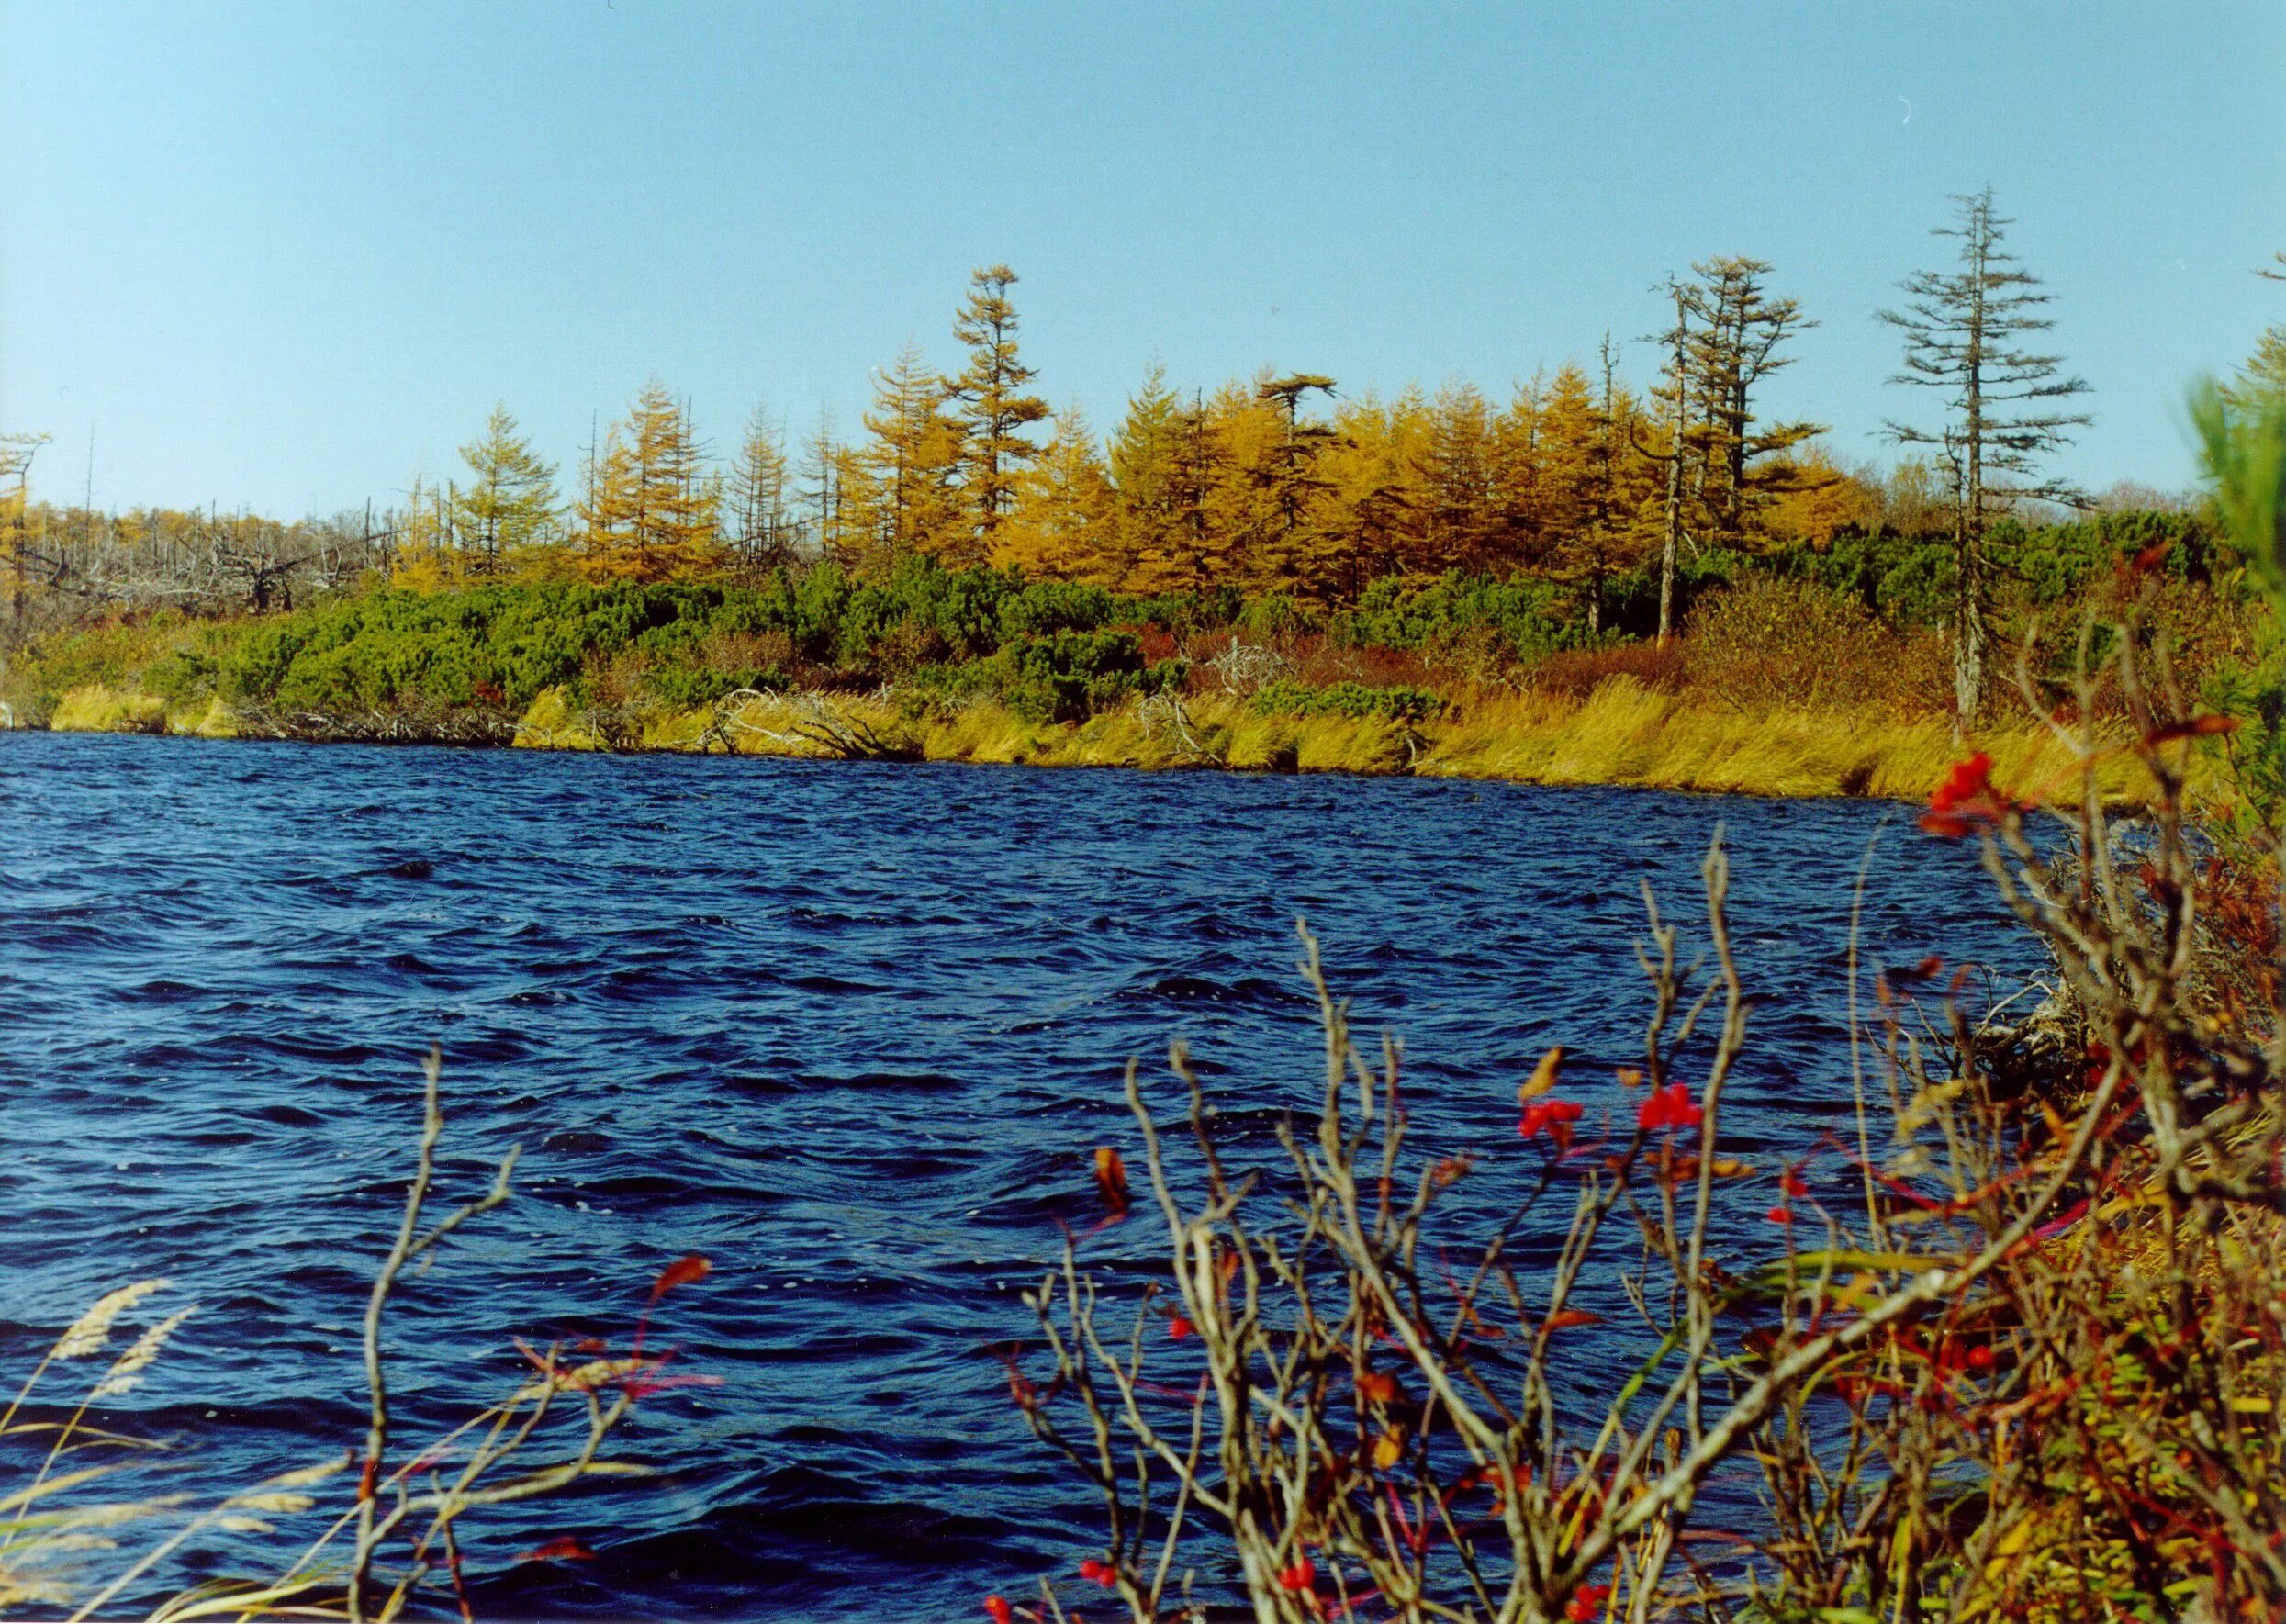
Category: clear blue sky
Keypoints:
(284, 255)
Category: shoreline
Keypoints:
(1621, 735)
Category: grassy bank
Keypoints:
(1621, 733)
(1779, 685)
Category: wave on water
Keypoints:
(848, 1032)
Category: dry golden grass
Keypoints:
(1622, 732)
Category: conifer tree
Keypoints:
(821, 459)
(1605, 481)
(1734, 347)
(1290, 553)
(1519, 539)
(1456, 511)
(1194, 551)
(1376, 491)
(912, 459)
(993, 409)
(1963, 336)
(2263, 376)
(650, 512)
(1061, 526)
(760, 500)
(509, 504)
(1673, 396)
(1567, 445)
(1142, 466)
(17, 451)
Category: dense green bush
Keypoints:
(1288, 698)
(1520, 620)
(1070, 675)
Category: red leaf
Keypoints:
(562, 1547)
(1552, 1116)
(1098, 1573)
(996, 1608)
(1300, 1576)
(681, 1271)
(1669, 1107)
(1179, 1328)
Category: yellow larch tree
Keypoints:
(1062, 525)
(650, 512)
(911, 496)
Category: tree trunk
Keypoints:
(1968, 634)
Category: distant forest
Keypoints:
(1282, 485)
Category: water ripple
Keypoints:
(848, 1030)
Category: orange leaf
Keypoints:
(1571, 1317)
(1388, 1450)
(1376, 1387)
(2192, 728)
(1543, 1077)
(562, 1547)
(1111, 1182)
(681, 1271)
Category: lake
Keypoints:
(850, 1031)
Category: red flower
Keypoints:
(1300, 1576)
(1669, 1107)
(997, 1610)
(1179, 1328)
(1556, 1116)
(1098, 1573)
(1587, 1602)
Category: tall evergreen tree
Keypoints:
(1734, 347)
(1289, 554)
(1195, 550)
(993, 411)
(509, 504)
(1963, 336)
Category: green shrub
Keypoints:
(688, 687)
(1516, 619)
(1070, 675)
(1354, 700)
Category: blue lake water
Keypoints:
(849, 1031)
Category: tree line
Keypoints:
(1282, 484)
